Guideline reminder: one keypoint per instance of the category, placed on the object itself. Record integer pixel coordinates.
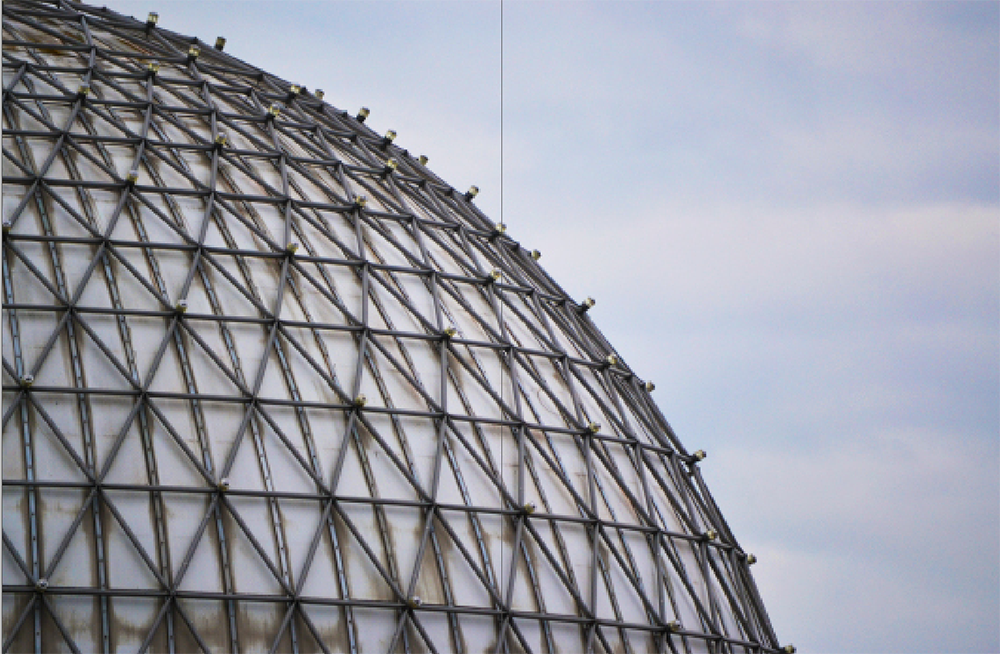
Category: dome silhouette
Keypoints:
(271, 385)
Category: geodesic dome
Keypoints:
(270, 384)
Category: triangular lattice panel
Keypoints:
(270, 384)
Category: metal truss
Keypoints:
(270, 384)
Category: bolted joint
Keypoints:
(42, 584)
(536, 255)
(710, 535)
(223, 484)
(649, 386)
(498, 230)
(132, 177)
(7, 226)
(220, 43)
(423, 159)
(360, 201)
(450, 332)
(471, 193)
(390, 166)
(152, 68)
(700, 455)
(587, 305)
(291, 248)
(674, 626)
(414, 602)
(530, 508)
(293, 92)
(273, 112)
(221, 141)
(610, 360)
(181, 306)
(751, 559)
(593, 427)
(82, 92)
(151, 20)
(363, 114)
(193, 53)
(788, 649)
(319, 94)
(359, 401)
(494, 276)
(389, 137)
(26, 381)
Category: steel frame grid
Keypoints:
(520, 385)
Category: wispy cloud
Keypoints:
(880, 521)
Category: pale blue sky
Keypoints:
(788, 215)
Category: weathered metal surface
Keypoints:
(245, 411)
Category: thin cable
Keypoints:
(503, 524)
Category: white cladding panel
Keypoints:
(245, 412)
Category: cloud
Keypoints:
(822, 315)
(882, 103)
(891, 520)
(719, 260)
(899, 39)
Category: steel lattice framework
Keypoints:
(270, 384)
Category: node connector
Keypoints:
(389, 137)
(360, 201)
(151, 20)
(181, 306)
(789, 649)
(221, 141)
(498, 228)
(450, 332)
(674, 626)
(494, 276)
(649, 386)
(751, 559)
(390, 166)
(153, 67)
(587, 305)
(42, 584)
(293, 91)
(536, 254)
(7, 226)
(27, 381)
(83, 91)
(220, 43)
(530, 508)
(423, 159)
(292, 248)
(593, 427)
(711, 534)
(414, 602)
(319, 94)
(472, 192)
(224, 484)
(273, 111)
(611, 360)
(133, 176)
(359, 401)
(363, 114)
(193, 53)
(700, 455)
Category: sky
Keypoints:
(789, 215)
